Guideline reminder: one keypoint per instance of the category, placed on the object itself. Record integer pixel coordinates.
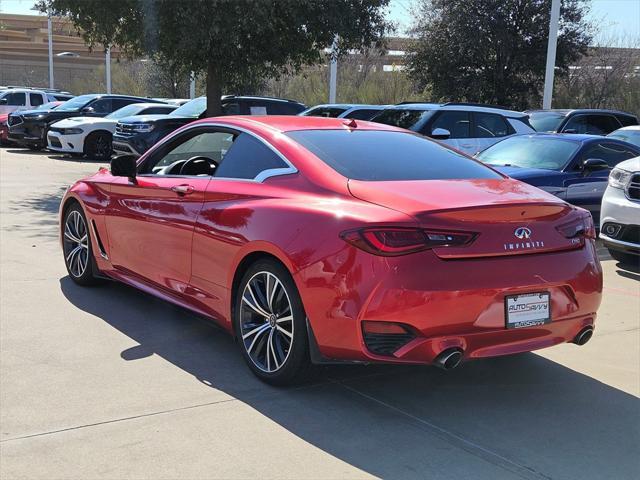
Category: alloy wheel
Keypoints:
(266, 321)
(76, 243)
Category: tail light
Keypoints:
(392, 241)
(580, 227)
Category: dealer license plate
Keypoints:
(527, 310)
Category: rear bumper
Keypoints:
(447, 303)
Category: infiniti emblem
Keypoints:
(522, 233)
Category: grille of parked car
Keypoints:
(14, 120)
(633, 189)
(125, 129)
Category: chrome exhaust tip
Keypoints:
(448, 359)
(584, 336)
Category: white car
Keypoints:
(620, 213)
(468, 127)
(18, 99)
(92, 135)
(628, 134)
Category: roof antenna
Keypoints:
(351, 123)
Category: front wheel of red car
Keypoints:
(76, 246)
(270, 323)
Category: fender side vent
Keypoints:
(103, 253)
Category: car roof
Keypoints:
(567, 111)
(574, 137)
(258, 97)
(153, 104)
(288, 123)
(347, 106)
(458, 107)
(635, 128)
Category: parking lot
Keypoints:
(109, 382)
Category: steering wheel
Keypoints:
(200, 165)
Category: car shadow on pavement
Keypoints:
(523, 416)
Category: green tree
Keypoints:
(231, 42)
(492, 51)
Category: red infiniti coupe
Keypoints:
(323, 240)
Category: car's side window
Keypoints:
(156, 110)
(456, 122)
(35, 99)
(591, 124)
(248, 158)
(101, 106)
(18, 99)
(195, 152)
(489, 125)
(362, 114)
(232, 108)
(118, 103)
(609, 152)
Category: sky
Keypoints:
(613, 17)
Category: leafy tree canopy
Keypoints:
(230, 41)
(492, 51)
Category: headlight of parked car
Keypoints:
(72, 131)
(143, 127)
(619, 178)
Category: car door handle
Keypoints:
(182, 189)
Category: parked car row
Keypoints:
(573, 166)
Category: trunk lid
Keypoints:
(509, 217)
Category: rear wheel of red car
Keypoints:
(270, 323)
(76, 246)
(98, 146)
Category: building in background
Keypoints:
(24, 54)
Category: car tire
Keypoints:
(625, 258)
(270, 324)
(98, 146)
(77, 249)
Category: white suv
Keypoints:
(16, 99)
(468, 127)
(620, 213)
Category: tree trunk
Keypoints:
(214, 91)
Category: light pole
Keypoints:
(107, 60)
(50, 49)
(551, 54)
(192, 85)
(333, 72)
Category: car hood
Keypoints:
(32, 113)
(154, 118)
(631, 165)
(80, 121)
(525, 173)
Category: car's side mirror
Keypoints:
(440, 133)
(593, 164)
(88, 110)
(124, 166)
(3, 101)
(569, 130)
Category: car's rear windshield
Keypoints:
(546, 121)
(544, 151)
(408, 118)
(377, 155)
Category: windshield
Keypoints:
(194, 108)
(127, 111)
(378, 155)
(630, 136)
(546, 121)
(401, 118)
(45, 106)
(546, 152)
(75, 103)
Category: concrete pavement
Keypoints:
(110, 383)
